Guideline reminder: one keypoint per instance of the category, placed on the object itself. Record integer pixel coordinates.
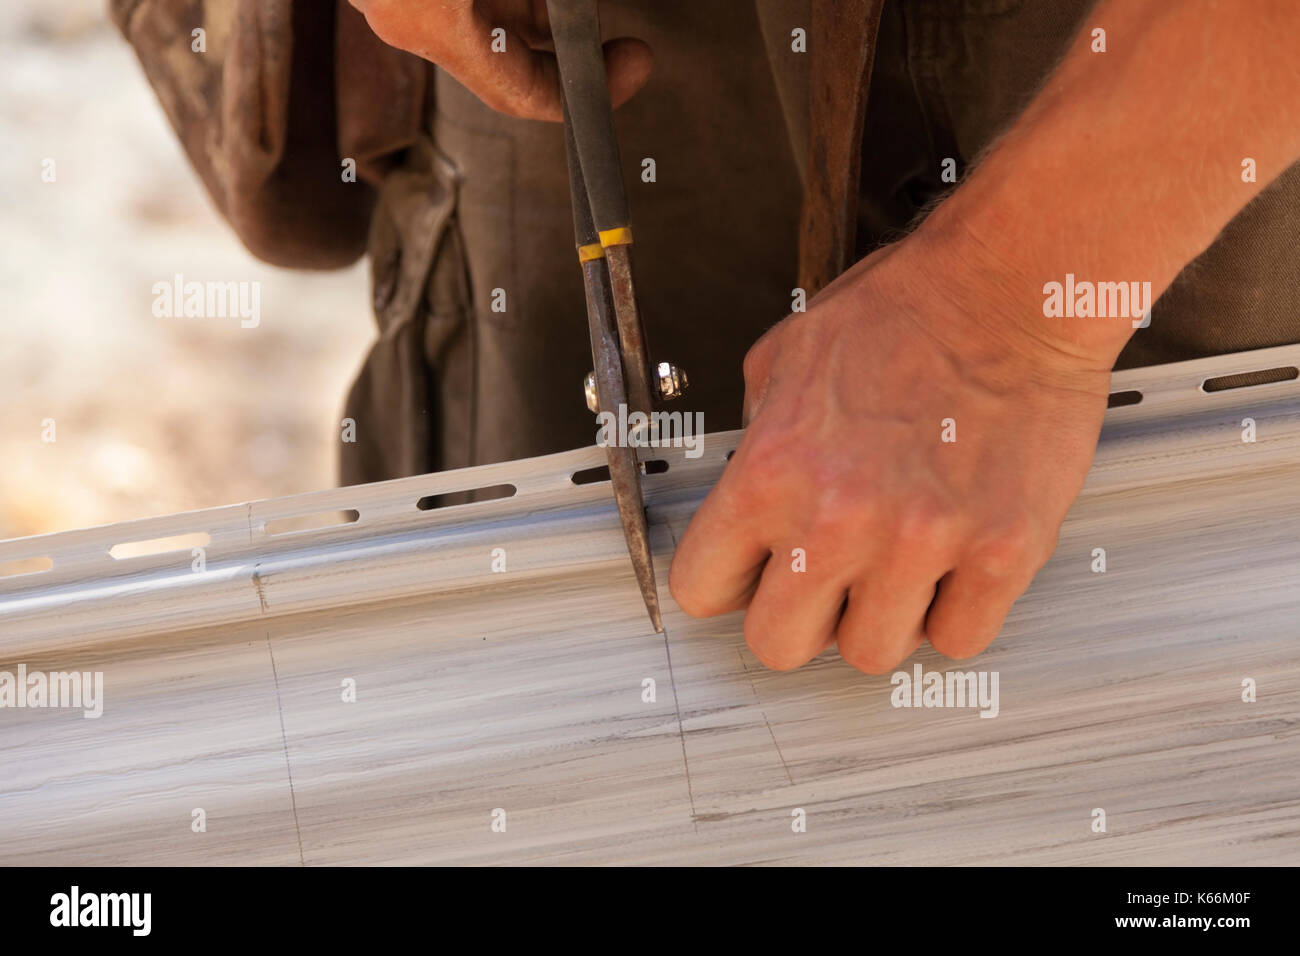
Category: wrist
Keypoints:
(1015, 287)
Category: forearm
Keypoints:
(1128, 163)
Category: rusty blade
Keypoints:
(641, 387)
(596, 182)
(625, 474)
(624, 468)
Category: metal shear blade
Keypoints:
(603, 232)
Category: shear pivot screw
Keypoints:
(672, 381)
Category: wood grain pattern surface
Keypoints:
(523, 691)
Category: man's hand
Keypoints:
(522, 80)
(917, 447)
(906, 536)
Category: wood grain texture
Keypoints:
(523, 690)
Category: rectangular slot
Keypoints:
(1120, 399)
(1246, 379)
(449, 499)
(151, 546)
(589, 476)
(21, 566)
(315, 521)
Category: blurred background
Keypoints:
(152, 415)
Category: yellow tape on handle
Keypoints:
(622, 236)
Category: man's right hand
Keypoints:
(522, 80)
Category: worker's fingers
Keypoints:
(525, 83)
(719, 559)
(722, 553)
(793, 614)
(885, 619)
(504, 71)
(499, 62)
(628, 64)
(972, 602)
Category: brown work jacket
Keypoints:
(755, 121)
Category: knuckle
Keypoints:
(693, 584)
(763, 471)
(686, 597)
(842, 502)
(383, 19)
(958, 646)
(755, 364)
(838, 523)
(774, 658)
(771, 651)
(869, 659)
(503, 102)
(760, 472)
(694, 601)
(925, 524)
(534, 104)
(505, 106)
(750, 497)
(826, 524)
(1007, 552)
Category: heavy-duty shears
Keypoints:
(623, 375)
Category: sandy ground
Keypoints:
(151, 415)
